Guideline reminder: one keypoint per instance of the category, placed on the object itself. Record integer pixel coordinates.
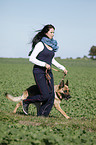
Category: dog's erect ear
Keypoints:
(67, 83)
(61, 85)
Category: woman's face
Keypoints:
(50, 33)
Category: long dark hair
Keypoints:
(41, 33)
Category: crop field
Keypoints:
(19, 129)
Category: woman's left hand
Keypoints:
(65, 71)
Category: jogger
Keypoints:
(42, 55)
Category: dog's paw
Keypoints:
(68, 117)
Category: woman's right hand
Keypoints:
(47, 66)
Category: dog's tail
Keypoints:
(12, 98)
(17, 99)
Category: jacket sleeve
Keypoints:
(37, 49)
(58, 65)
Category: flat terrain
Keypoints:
(18, 129)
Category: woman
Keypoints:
(42, 55)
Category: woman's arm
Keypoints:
(38, 48)
(58, 65)
(54, 62)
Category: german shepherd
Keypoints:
(61, 91)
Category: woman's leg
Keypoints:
(47, 95)
(47, 105)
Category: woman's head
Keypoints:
(46, 31)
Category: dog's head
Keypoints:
(63, 90)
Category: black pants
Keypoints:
(47, 93)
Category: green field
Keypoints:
(19, 129)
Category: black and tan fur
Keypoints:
(61, 91)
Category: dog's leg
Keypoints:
(17, 106)
(57, 106)
(60, 110)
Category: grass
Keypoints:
(16, 76)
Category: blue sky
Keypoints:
(74, 20)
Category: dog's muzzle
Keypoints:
(66, 96)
